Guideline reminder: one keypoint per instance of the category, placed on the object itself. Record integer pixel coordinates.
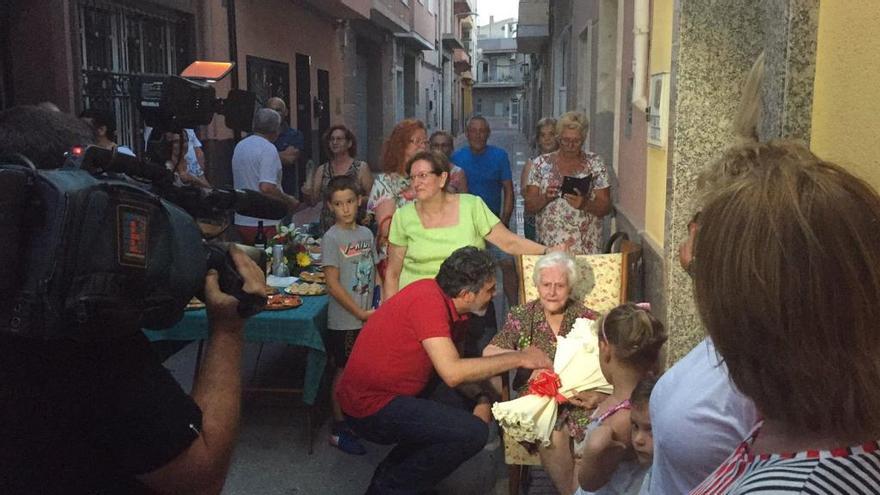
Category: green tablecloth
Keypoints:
(302, 326)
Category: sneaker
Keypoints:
(347, 443)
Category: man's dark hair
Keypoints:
(341, 183)
(43, 136)
(100, 117)
(466, 269)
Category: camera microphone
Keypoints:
(97, 160)
(197, 201)
(247, 202)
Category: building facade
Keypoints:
(499, 69)
(364, 63)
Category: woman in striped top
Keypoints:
(787, 281)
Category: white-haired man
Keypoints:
(256, 166)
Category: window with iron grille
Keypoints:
(121, 47)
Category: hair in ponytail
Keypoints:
(636, 335)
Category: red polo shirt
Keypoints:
(388, 359)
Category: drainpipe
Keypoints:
(640, 54)
(233, 53)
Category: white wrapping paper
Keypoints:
(530, 418)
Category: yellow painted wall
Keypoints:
(846, 93)
(660, 61)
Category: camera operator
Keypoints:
(106, 416)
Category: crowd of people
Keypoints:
(780, 397)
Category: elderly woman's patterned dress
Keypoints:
(526, 325)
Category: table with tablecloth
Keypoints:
(303, 326)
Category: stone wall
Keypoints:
(715, 45)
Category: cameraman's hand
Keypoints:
(223, 308)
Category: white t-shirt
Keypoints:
(255, 160)
(124, 150)
(698, 419)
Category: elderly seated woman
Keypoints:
(539, 323)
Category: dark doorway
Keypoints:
(6, 94)
(303, 117)
(268, 78)
(372, 111)
(361, 125)
(410, 87)
(322, 109)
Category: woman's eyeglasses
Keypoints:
(421, 175)
(419, 142)
(570, 142)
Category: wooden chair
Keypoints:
(605, 282)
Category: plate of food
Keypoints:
(306, 289)
(282, 301)
(313, 277)
(194, 304)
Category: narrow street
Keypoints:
(272, 456)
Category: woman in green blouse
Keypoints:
(424, 233)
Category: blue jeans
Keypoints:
(431, 439)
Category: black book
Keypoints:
(577, 185)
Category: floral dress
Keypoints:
(394, 187)
(390, 186)
(558, 222)
(526, 325)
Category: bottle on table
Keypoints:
(260, 238)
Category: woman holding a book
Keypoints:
(568, 190)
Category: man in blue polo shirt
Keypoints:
(487, 169)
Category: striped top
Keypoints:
(844, 471)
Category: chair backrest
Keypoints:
(604, 278)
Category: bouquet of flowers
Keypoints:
(292, 256)
(531, 418)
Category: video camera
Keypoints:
(106, 246)
(181, 102)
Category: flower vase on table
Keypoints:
(290, 256)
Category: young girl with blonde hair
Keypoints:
(630, 341)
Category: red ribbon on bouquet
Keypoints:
(547, 384)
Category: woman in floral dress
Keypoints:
(392, 188)
(545, 142)
(539, 323)
(573, 218)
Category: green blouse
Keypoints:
(426, 249)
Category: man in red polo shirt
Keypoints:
(397, 352)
